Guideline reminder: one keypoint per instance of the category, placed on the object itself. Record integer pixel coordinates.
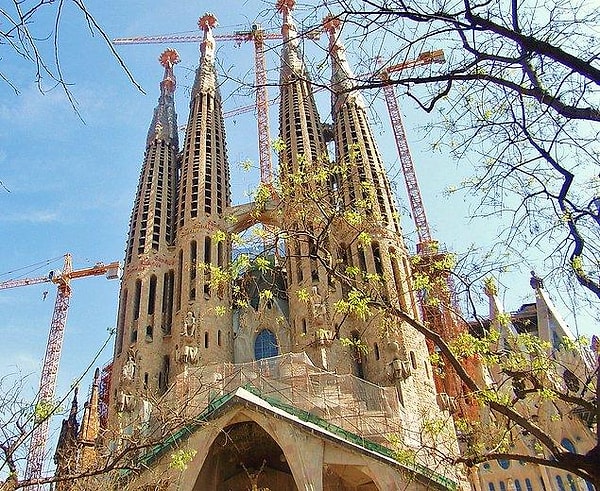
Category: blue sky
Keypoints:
(72, 184)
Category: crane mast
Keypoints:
(408, 167)
(44, 404)
(262, 109)
(39, 435)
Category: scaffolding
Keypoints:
(355, 405)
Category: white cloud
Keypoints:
(35, 216)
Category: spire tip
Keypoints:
(285, 6)
(331, 23)
(168, 58)
(207, 21)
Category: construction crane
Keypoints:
(62, 279)
(408, 168)
(443, 320)
(258, 36)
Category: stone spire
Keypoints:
(68, 434)
(65, 456)
(291, 62)
(151, 227)
(354, 141)
(145, 316)
(90, 422)
(206, 74)
(203, 198)
(164, 122)
(299, 123)
(204, 183)
(303, 154)
(90, 427)
(400, 356)
(342, 76)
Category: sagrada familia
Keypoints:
(235, 374)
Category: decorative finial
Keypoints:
(168, 59)
(284, 6)
(207, 21)
(331, 23)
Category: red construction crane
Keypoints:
(408, 168)
(62, 279)
(258, 36)
(444, 319)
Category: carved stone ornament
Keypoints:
(128, 370)
(189, 325)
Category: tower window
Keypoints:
(122, 313)
(377, 259)
(152, 295)
(265, 345)
(179, 279)
(137, 298)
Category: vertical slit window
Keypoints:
(193, 269)
(179, 279)
(220, 254)
(362, 261)
(152, 295)
(377, 259)
(137, 299)
(121, 326)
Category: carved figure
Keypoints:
(319, 311)
(189, 325)
(536, 282)
(129, 368)
(253, 477)
(125, 402)
(190, 354)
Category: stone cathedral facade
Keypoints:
(267, 394)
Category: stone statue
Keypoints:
(190, 354)
(129, 368)
(318, 309)
(189, 325)
(253, 477)
(125, 402)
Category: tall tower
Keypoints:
(173, 248)
(65, 456)
(392, 352)
(203, 196)
(303, 153)
(145, 318)
(90, 428)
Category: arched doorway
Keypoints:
(243, 455)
